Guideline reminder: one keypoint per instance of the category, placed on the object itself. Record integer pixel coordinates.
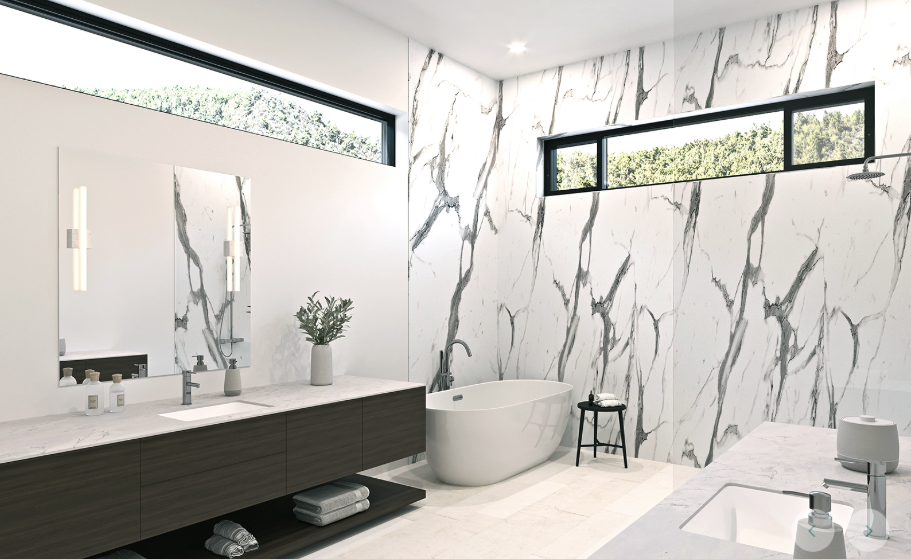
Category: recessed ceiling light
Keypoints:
(517, 48)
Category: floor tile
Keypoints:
(552, 511)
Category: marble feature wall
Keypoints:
(456, 118)
(708, 307)
(206, 315)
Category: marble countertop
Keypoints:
(50, 434)
(774, 456)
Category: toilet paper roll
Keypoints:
(868, 438)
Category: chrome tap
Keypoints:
(876, 495)
(446, 378)
(187, 385)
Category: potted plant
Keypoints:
(323, 324)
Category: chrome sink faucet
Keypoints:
(187, 388)
(876, 495)
(446, 378)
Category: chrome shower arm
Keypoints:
(872, 157)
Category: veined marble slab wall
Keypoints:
(456, 121)
(708, 307)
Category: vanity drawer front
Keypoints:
(70, 505)
(179, 502)
(394, 426)
(193, 451)
(324, 444)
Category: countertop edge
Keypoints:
(103, 436)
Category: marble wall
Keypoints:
(207, 316)
(709, 307)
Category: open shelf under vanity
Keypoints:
(275, 527)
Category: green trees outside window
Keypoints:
(577, 167)
(830, 134)
(256, 110)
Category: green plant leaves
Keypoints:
(324, 322)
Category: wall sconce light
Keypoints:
(79, 238)
(232, 248)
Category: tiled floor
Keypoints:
(554, 511)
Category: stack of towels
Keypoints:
(231, 540)
(330, 503)
(606, 400)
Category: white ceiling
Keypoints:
(477, 33)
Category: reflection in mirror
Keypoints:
(212, 264)
(154, 267)
(116, 283)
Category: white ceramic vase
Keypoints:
(321, 365)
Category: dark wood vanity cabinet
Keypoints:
(70, 505)
(150, 493)
(394, 426)
(324, 443)
(193, 475)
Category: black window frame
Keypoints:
(582, 140)
(788, 106)
(147, 41)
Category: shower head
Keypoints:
(866, 174)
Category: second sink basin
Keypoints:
(755, 516)
(209, 412)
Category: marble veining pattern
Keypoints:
(708, 307)
(50, 434)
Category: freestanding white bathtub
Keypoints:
(485, 433)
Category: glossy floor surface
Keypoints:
(553, 511)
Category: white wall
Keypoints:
(324, 221)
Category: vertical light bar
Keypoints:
(237, 228)
(83, 239)
(77, 199)
(229, 264)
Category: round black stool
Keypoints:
(584, 407)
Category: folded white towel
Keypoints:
(235, 532)
(331, 496)
(605, 396)
(607, 403)
(224, 547)
(330, 517)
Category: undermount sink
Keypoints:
(209, 412)
(755, 516)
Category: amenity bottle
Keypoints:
(94, 395)
(117, 398)
(232, 379)
(87, 379)
(67, 378)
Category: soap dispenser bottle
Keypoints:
(117, 398)
(232, 379)
(200, 364)
(94, 395)
(818, 537)
(67, 378)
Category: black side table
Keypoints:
(584, 407)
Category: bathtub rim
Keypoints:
(568, 386)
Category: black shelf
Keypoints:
(275, 527)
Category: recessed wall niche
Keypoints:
(154, 267)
